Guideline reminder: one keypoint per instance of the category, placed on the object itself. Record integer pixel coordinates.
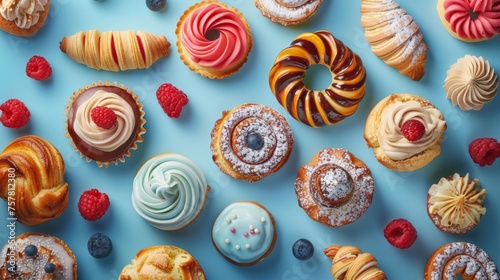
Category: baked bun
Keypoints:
(335, 188)
(17, 262)
(349, 263)
(20, 21)
(251, 141)
(213, 39)
(288, 12)
(244, 233)
(394, 37)
(115, 50)
(163, 262)
(470, 21)
(384, 132)
(312, 107)
(34, 168)
(460, 258)
(456, 204)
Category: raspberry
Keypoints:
(171, 99)
(400, 233)
(14, 113)
(413, 130)
(93, 204)
(38, 68)
(103, 117)
(484, 151)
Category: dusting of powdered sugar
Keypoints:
(273, 129)
(300, 9)
(459, 255)
(335, 184)
(352, 209)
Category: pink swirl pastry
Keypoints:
(213, 39)
(470, 20)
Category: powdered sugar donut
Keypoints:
(287, 12)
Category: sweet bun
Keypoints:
(20, 21)
(288, 12)
(115, 50)
(213, 39)
(163, 262)
(251, 142)
(460, 259)
(312, 107)
(384, 132)
(349, 263)
(18, 263)
(335, 188)
(32, 174)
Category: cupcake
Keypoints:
(37, 256)
(244, 233)
(470, 83)
(213, 39)
(105, 122)
(456, 204)
(169, 191)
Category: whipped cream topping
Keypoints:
(473, 20)
(25, 13)
(470, 83)
(222, 52)
(169, 191)
(391, 138)
(106, 140)
(289, 10)
(457, 201)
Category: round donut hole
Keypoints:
(317, 77)
(473, 15)
(212, 34)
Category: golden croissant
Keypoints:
(394, 37)
(115, 50)
(32, 180)
(349, 263)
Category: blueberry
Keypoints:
(31, 250)
(255, 141)
(156, 5)
(99, 245)
(303, 249)
(49, 268)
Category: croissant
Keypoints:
(32, 180)
(115, 50)
(349, 263)
(394, 37)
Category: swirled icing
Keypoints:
(470, 83)
(457, 201)
(486, 25)
(391, 138)
(229, 48)
(169, 191)
(25, 13)
(243, 232)
(106, 140)
(290, 10)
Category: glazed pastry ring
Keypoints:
(318, 108)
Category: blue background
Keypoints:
(396, 195)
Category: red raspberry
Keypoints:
(413, 130)
(484, 151)
(93, 204)
(14, 113)
(171, 99)
(400, 233)
(38, 68)
(103, 117)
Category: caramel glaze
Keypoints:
(90, 151)
(318, 108)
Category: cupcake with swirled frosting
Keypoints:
(455, 204)
(169, 191)
(470, 83)
(213, 39)
(111, 143)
